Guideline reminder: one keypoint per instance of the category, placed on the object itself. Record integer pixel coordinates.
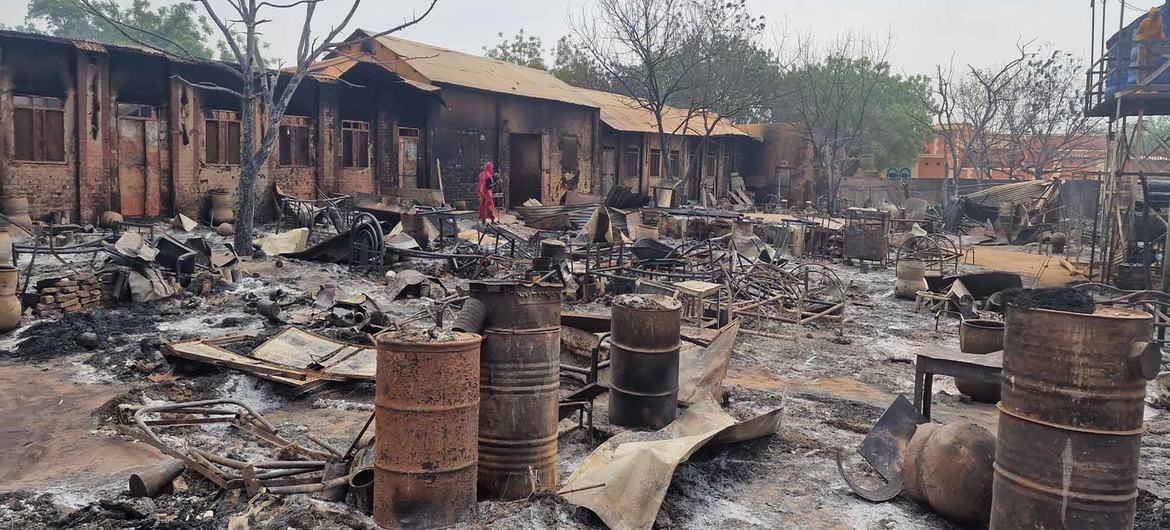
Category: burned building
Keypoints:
(782, 165)
(93, 127)
(537, 131)
(631, 155)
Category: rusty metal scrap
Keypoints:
(146, 423)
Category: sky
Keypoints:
(926, 32)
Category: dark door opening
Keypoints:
(524, 164)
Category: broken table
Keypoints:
(932, 360)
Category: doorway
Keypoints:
(608, 169)
(524, 156)
(139, 161)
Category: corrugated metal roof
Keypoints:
(336, 67)
(450, 67)
(624, 114)
(1016, 192)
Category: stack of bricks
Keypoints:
(70, 294)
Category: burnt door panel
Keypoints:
(132, 167)
(153, 192)
(524, 165)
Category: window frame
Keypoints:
(354, 132)
(673, 164)
(634, 170)
(38, 110)
(223, 121)
(655, 165)
(299, 130)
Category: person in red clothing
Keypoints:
(487, 206)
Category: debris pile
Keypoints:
(77, 292)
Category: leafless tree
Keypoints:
(739, 81)
(651, 49)
(1045, 120)
(968, 111)
(832, 88)
(263, 89)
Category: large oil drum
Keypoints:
(980, 337)
(644, 345)
(1070, 421)
(427, 412)
(519, 388)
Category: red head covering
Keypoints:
(488, 167)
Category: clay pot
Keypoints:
(6, 250)
(10, 311)
(911, 278)
(9, 279)
(980, 337)
(222, 209)
(16, 209)
(225, 229)
(949, 469)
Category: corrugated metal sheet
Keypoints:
(1015, 192)
(624, 114)
(444, 66)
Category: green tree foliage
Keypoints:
(895, 135)
(853, 110)
(575, 66)
(177, 28)
(521, 49)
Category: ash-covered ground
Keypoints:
(63, 464)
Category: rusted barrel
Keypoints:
(644, 344)
(980, 337)
(949, 468)
(519, 385)
(1070, 421)
(426, 421)
(910, 278)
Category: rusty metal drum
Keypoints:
(1070, 421)
(644, 346)
(980, 337)
(427, 412)
(519, 388)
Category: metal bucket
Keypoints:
(519, 389)
(427, 411)
(979, 337)
(1070, 421)
(644, 347)
(910, 278)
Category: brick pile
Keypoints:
(70, 294)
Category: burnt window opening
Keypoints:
(221, 138)
(136, 111)
(672, 165)
(710, 163)
(38, 127)
(655, 162)
(569, 161)
(408, 151)
(633, 161)
(295, 150)
(355, 144)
